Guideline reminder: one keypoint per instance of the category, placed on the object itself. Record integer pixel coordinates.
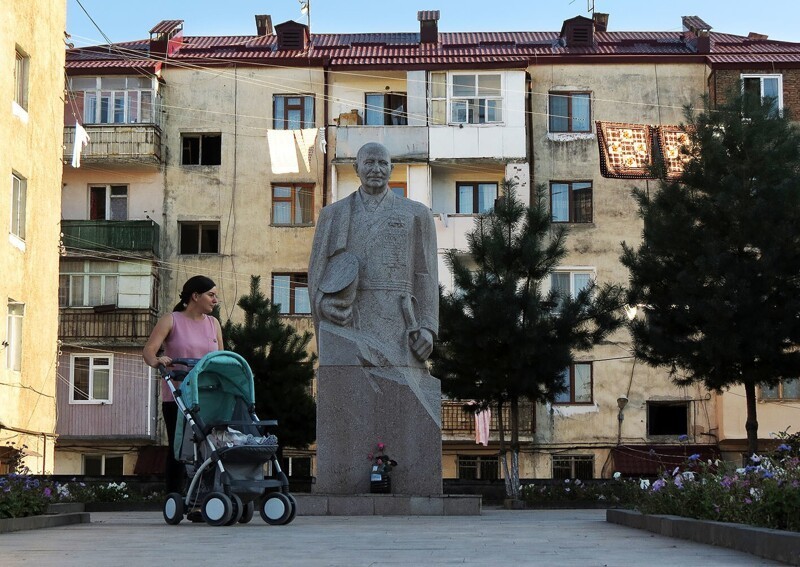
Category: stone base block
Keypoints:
(387, 505)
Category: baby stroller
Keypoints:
(224, 446)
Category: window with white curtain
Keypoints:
(88, 283)
(115, 100)
(570, 111)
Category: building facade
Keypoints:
(30, 126)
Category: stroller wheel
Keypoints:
(248, 512)
(173, 509)
(238, 510)
(293, 513)
(217, 509)
(276, 508)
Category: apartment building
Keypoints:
(32, 53)
(249, 136)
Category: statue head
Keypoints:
(374, 167)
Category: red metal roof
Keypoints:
(454, 48)
(425, 15)
(165, 26)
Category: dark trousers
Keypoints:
(174, 470)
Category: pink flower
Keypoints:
(381, 446)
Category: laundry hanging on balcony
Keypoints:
(81, 141)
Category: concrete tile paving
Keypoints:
(562, 538)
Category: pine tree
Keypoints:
(718, 271)
(502, 339)
(282, 366)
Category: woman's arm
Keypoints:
(157, 337)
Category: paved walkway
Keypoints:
(559, 538)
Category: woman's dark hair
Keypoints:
(195, 284)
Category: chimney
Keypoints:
(428, 26)
(264, 24)
(696, 34)
(757, 36)
(600, 21)
(166, 38)
(292, 36)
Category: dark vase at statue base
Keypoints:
(383, 486)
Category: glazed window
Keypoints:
(292, 204)
(19, 198)
(571, 201)
(475, 197)
(91, 378)
(114, 100)
(199, 237)
(108, 202)
(21, 66)
(290, 292)
(578, 382)
(466, 98)
(293, 112)
(478, 467)
(783, 390)
(764, 89)
(201, 149)
(385, 109)
(570, 111)
(569, 467)
(14, 320)
(87, 283)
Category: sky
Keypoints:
(121, 21)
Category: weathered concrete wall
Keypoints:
(32, 138)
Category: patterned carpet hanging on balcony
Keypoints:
(675, 145)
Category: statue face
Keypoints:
(374, 166)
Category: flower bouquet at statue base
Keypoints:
(380, 482)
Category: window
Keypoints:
(764, 88)
(667, 418)
(571, 201)
(293, 112)
(399, 189)
(296, 466)
(385, 109)
(21, 79)
(474, 98)
(473, 467)
(90, 378)
(475, 197)
(292, 205)
(578, 380)
(115, 100)
(570, 112)
(201, 149)
(783, 390)
(87, 283)
(290, 292)
(19, 197)
(579, 466)
(199, 237)
(108, 202)
(13, 342)
(102, 465)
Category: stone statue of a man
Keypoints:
(374, 298)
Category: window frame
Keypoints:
(283, 122)
(22, 62)
(390, 116)
(779, 392)
(109, 199)
(103, 458)
(476, 185)
(297, 281)
(65, 290)
(19, 206)
(446, 102)
(480, 464)
(399, 188)
(570, 118)
(15, 328)
(571, 385)
(294, 189)
(573, 462)
(572, 208)
(761, 77)
(90, 399)
(201, 226)
(132, 98)
(202, 157)
(649, 404)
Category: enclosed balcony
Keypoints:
(123, 143)
(112, 236)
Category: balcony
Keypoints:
(112, 236)
(123, 143)
(458, 423)
(405, 143)
(106, 324)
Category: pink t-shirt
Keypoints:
(188, 339)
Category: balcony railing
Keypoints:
(458, 421)
(112, 236)
(139, 143)
(107, 324)
(403, 142)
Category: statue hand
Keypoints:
(421, 344)
(336, 310)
